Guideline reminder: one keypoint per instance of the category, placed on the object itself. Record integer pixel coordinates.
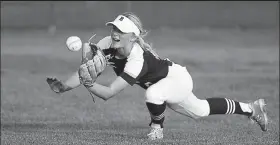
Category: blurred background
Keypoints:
(231, 49)
(93, 14)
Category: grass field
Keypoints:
(240, 65)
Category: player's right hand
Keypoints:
(56, 85)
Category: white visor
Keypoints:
(125, 25)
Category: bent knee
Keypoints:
(197, 108)
(154, 96)
(201, 108)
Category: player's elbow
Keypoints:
(111, 92)
(109, 95)
(106, 98)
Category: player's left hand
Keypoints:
(91, 69)
(100, 62)
(87, 74)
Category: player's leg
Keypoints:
(254, 110)
(196, 108)
(181, 99)
(158, 94)
(156, 106)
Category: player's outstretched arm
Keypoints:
(73, 81)
(59, 86)
(107, 92)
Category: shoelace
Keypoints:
(258, 118)
(152, 131)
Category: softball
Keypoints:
(74, 43)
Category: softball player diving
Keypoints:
(166, 83)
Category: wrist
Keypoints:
(89, 84)
(66, 88)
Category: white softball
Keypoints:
(74, 43)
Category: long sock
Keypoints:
(228, 106)
(156, 113)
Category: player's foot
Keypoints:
(155, 133)
(259, 114)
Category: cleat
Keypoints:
(155, 133)
(259, 114)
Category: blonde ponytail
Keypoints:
(145, 46)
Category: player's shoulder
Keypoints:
(136, 52)
(105, 42)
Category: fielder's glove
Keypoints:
(56, 85)
(91, 69)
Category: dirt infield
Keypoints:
(240, 65)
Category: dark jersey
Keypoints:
(140, 67)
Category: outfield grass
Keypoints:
(235, 64)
